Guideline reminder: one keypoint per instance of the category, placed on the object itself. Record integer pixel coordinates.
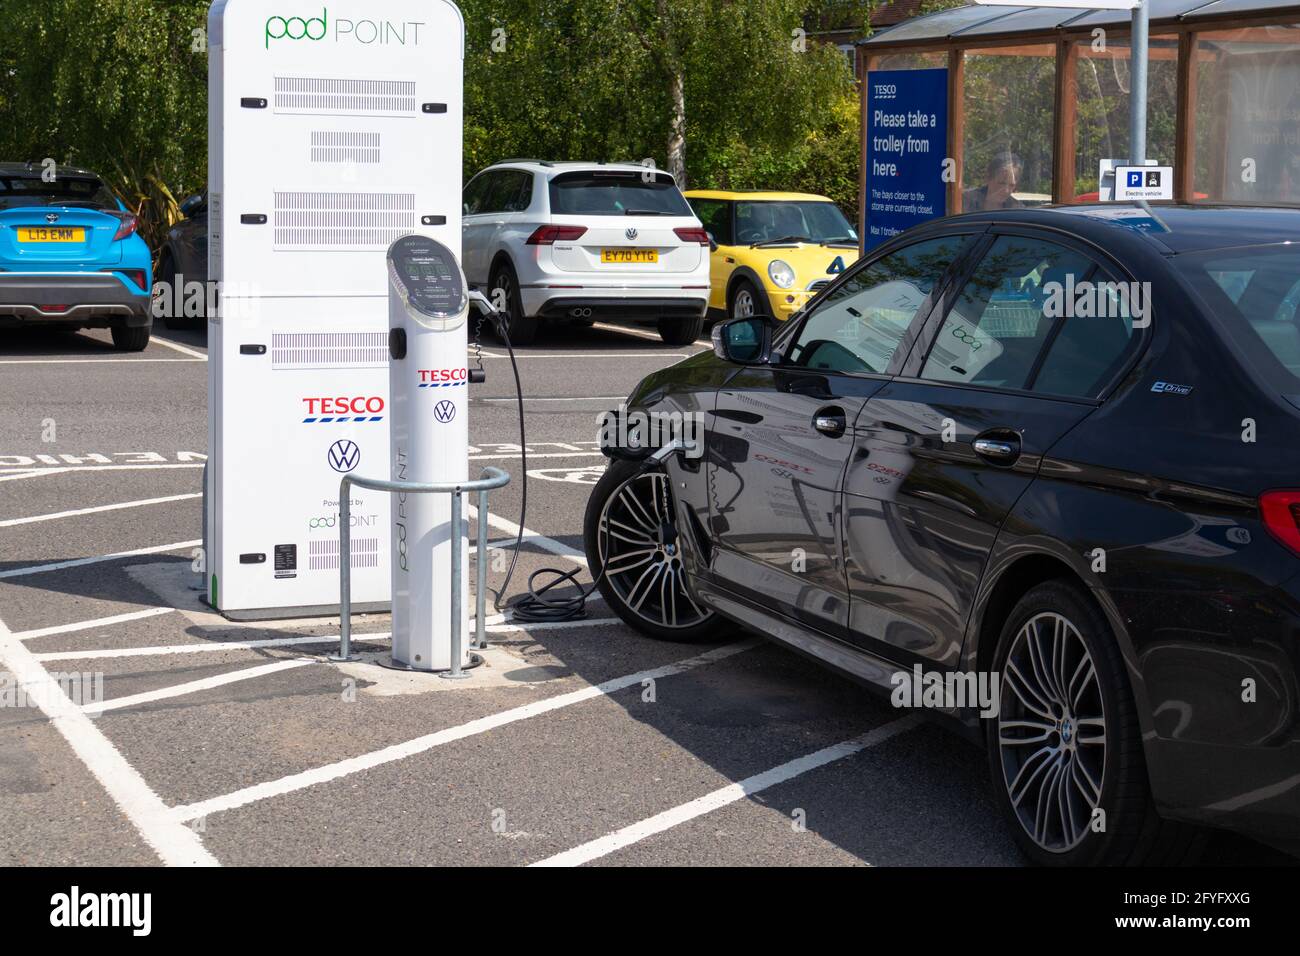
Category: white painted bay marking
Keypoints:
(81, 562)
(91, 625)
(204, 647)
(173, 842)
(13, 522)
(184, 350)
(195, 686)
(728, 794)
(410, 748)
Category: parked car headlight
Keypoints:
(779, 271)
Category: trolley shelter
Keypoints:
(1047, 91)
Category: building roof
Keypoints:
(961, 23)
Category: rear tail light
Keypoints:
(1281, 513)
(128, 227)
(545, 235)
(135, 275)
(692, 234)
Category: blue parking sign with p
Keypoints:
(1135, 180)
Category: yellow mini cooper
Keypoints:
(772, 251)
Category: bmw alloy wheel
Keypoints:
(639, 551)
(1052, 732)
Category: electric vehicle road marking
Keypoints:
(82, 562)
(91, 625)
(195, 686)
(173, 842)
(14, 522)
(411, 748)
(729, 794)
(98, 361)
(39, 472)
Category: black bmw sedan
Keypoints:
(1053, 454)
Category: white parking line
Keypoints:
(728, 794)
(91, 625)
(542, 541)
(410, 748)
(13, 522)
(566, 398)
(631, 354)
(81, 562)
(195, 686)
(168, 343)
(175, 843)
(95, 361)
(204, 647)
(26, 472)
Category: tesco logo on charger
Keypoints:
(442, 377)
(342, 408)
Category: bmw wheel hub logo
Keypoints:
(344, 455)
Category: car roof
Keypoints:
(754, 194)
(34, 169)
(547, 167)
(1172, 229)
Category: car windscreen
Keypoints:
(808, 221)
(18, 191)
(616, 194)
(1254, 295)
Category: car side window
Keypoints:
(715, 217)
(858, 326)
(476, 194)
(1004, 314)
(516, 191)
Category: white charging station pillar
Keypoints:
(334, 130)
(428, 381)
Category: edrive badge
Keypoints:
(344, 455)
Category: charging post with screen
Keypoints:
(334, 130)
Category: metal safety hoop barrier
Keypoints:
(490, 478)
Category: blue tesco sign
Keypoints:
(907, 142)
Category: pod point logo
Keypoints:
(344, 455)
(295, 28)
(365, 32)
(444, 411)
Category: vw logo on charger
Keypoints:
(444, 411)
(344, 455)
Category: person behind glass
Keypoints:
(1000, 181)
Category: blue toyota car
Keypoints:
(70, 256)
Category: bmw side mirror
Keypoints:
(743, 341)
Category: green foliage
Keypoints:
(112, 85)
(117, 86)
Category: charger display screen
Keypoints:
(429, 273)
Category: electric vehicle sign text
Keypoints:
(442, 377)
(362, 31)
(342, 408)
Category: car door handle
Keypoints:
(1001, 450)
(830, 421)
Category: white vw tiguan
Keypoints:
(577, 242)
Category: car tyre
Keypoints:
(505, 288)
(167, 275)
(632, 515)
(1066, 741)
(746, 301)
(131, 338)
(680, 331)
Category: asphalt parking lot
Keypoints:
(239, 744)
